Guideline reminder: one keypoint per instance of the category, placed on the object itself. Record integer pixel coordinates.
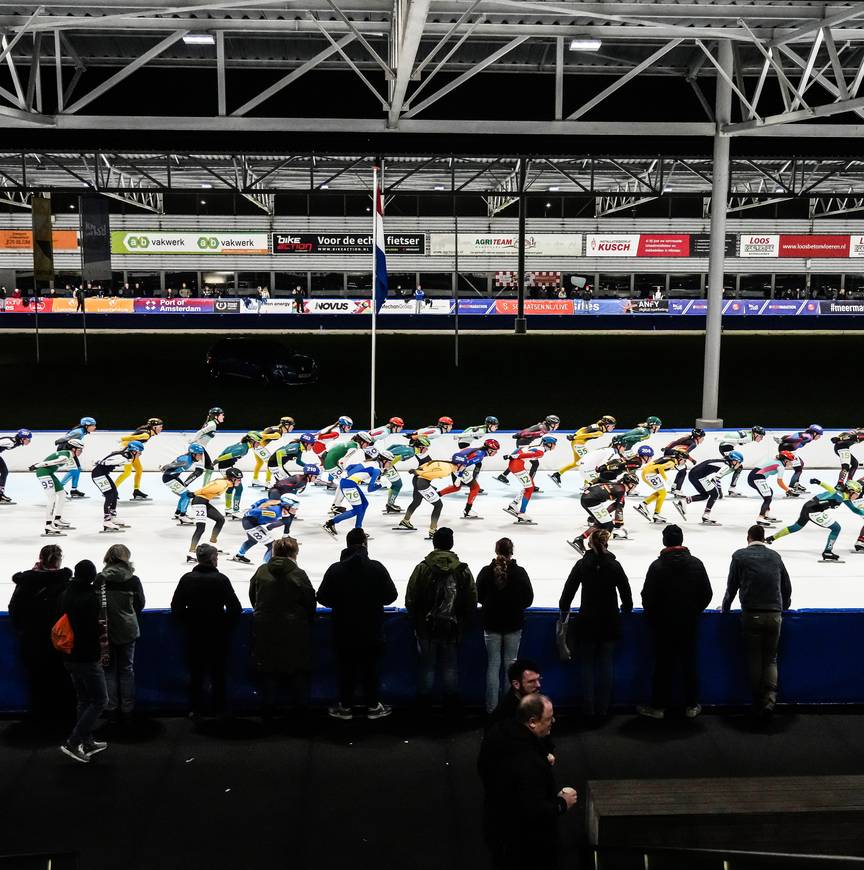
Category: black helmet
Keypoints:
(697, 433)
(234, 474)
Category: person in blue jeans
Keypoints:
(125, 600)
(598, 624)
(84, 606)
(440, 600)
(504, 592)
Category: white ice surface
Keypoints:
(159, 546)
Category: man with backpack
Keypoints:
(440, 600)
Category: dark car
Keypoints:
(260, 359)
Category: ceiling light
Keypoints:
(553, 189)
(548, 205)
(199, 39)
(206, 185)
(438, 187)
(203, 202)
(325, 187)
(585, 43)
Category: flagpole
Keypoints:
(374, 293)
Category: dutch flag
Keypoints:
(378, 245)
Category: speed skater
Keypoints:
(578, 441)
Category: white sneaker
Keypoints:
(94, 747)
(379, 711)
(337, 711)
(76, 753)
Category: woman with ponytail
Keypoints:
(598, 623)
(503, 591)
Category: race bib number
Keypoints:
(261, 453)
(199, 513)
(431, 495)
(176, 487)
(258, 534)
(279, 473)
(845, 456)
(48, 484)
(763, 488)
(525, 479)
(392, 475)
(352, 495)
(823, 518)
(601, 514)
(103, 484)
(579, 450)
(466, 475)
(655, 481)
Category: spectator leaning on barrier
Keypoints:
(504, 592)
(522, 803)
(33, 609)
(357, 589)
(675, 593)
(125, 601)
(283, 603)
(207, 607)
(440, 600)
(759, 578)
(598, 624)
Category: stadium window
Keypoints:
(328, 284)
(687, 286)
(614, 285)
(754, 286)
(824, 286)
(790, 286)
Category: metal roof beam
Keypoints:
(406, 43)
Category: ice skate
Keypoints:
(233, 515)
(765, 523)
(578, 544)
(733, 493)
(108, 527)
(503, 478)
(831, 556)
(468, 514)
(53, 532)
(239, 557)
(183, 520)
(510, 509)
(4, 499)
(621, 534)
(792, 493)
(771, 519)
(121, 525)
(555, 477)
(522, 520)
(658, 520)
(137, 495)
(76, 493)
(392, 509)
(405, 526)
(191, 557)
(62, 524)
(643, 511)
(707, 521)
(679, 506)
(330, 529)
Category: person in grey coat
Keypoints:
(759, 578)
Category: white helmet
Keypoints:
(385, 455)
(75, 443)
(364, 436)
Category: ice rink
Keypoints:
(159, 546)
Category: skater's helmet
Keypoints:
(697, 433)
(75, 443)
(234, 474)
(286, 421)
(135, 447)
(629, 480)
(195, 447)
(653, 421)
(854, 488)
(23, 435)
(813, 429)
(307, 438)
(311, 470)
(607, 420)
(786, 456)
(88, 421)
(645, 451)
(734, 456)
(252, 436)
(345, 423)
(491, 445)
(548, 441)
(386, 455)
(288, 501)
(215, 412)
(491, 421)
(758, 430)
(445, 421)
(363, 438)
(398, 422)
(552, 420)
(155, 421)
(371, 453)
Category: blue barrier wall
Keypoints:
(818, 661)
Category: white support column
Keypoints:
(717, 257)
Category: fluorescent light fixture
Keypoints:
(203, 202)
(325, 187)
(199, 39)
(438, 187)
(585, 43)
(553, 189)
(206, 185)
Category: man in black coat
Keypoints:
(522, 802)
(675, 593)
(357, 589)
(208, 608)
(524, 678)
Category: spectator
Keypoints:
(504, 592)
(598, 625)
(675, 593)
(283, 607)
(33, 609)
(85, 608)
(759, 577)
(356, 589)
(524, 678)
(297, 295)
(520, 794)
(440, 599)
(125, 597)
(79, 299)
(419, 298)
(207, 607)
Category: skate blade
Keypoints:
(53, 535)
(525, 523)
(111, 531)
(832, 561)
(7, 503)
(471, 517)
(402, 529)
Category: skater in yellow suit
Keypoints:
(270, 433)
(143, 434)
(654, 474)
(579, 439)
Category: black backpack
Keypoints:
(441, 620)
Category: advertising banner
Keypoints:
(535, 306)
(477, 306)
(842, 307)
(22, 240)
(43, 247)
(209, 242)
(807, 247)
(346, 243)
(26, 306)
(856, 246)
(226, 306)
(536, 244)
(95, 238)
(647, 306)
(663, 246)
(173, 306)
(409, 306)
(95, 305)
(611, 244)
(700, 245)
(758, 245)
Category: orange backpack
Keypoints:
(62, 636)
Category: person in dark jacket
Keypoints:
(207, 607)
(759, 577)
(440, 601)
(34, 608)
(125, 596)
(522, 803)
(598, 625)
(283, 608)
(504, 592)
(676, 591)
(357, 589)
(84, 605)
(524, 679)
